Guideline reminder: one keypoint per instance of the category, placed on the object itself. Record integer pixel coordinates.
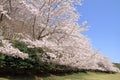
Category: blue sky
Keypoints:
(104, 18)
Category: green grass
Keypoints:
(75, 76)
(86, 76)
(4, 79)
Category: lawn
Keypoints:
(75, 76)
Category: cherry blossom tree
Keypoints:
(40, 18)
(53, 26)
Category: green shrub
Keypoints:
(30, 65)
(2, 57)
(18, 65)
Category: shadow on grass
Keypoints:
(23, 76)
(39, 74)
(14, 76)
(9, 76)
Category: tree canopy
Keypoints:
(53, 26)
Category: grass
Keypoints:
(75, 76)
(86, 76)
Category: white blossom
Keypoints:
(9, 50)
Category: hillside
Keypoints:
(117, 65)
